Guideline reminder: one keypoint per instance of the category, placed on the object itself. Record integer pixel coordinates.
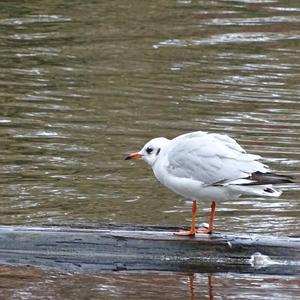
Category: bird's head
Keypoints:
(151, 151)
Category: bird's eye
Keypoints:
(149, 150)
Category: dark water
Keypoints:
(33, 284)
(85, 82)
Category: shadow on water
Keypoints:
(84, 83)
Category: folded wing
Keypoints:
(212, 159)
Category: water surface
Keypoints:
(35, 284)
(84, 83)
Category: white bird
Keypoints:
(208, 166)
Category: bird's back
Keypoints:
(210, 158)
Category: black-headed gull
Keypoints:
(208, 166)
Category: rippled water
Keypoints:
(84, 83)
(143, 285)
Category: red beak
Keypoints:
(133, 156)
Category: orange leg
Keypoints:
(193, 229)
(211, 220)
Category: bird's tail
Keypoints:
(256, 190)
(259, 178)
(260, 184)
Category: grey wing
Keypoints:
(210, 159)
(203, 136)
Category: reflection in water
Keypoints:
(209, 287)
(30, 283)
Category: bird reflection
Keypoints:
(192, 287)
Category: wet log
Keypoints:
(128, 247)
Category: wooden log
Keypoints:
(146, 248)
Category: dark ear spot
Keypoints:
(158, 150)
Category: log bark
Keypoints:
(128, 247)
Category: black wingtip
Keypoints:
(270, 178)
